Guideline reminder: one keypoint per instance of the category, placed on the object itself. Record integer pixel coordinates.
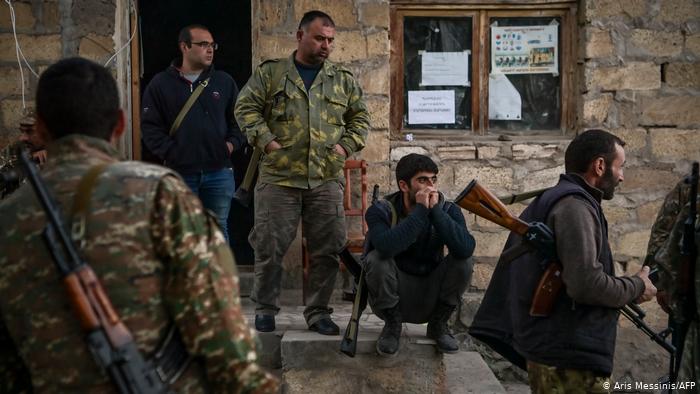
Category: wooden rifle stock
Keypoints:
(477, 199)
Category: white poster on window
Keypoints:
(445, 68)
(505, 102)
(525, 49)
(431, 107)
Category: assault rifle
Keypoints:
(538, 237)
(109, 340)
(244, 193)
(348, 345)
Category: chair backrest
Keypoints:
(350, 208)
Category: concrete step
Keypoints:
(312, 363)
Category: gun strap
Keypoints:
(188, 104)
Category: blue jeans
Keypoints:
(215, 190)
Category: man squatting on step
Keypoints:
(408, 277)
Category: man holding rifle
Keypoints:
(161, 259)
(409, 279)
(673, 247)
(570, 347)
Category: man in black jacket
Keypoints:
(408, 277)
(200, 148)
(572, 349)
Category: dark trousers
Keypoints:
(417, 295)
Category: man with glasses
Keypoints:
(195, 138)
(409, 279)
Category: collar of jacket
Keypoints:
(82, 148)
(578, 179)
(329, 69)
(176, 64)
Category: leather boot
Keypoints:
(388, 342)
(438, 330)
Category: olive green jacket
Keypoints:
(274, 105)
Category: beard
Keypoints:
(608, 183)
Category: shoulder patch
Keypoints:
(269, 61)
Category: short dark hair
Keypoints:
(413, 163)
(312, 15)
(186, 33)
(78, 96)
(588, 146)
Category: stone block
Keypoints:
(675, 144)
(481, 277)
(378, 44)
(463, 152)
(466, 372)
(50, 17)
(486, 152)
(375, 80)
(382, 175)
(344, 13)
(635, 139)
(646, 180)
(601, 9)
(692, 45)
(399, 152)
(498, 180)
(678, 11)
(97, 48)
(95, 17)
(533, 151)
(654, 43)
(35, 47)
(599, 44)
(633, 76)
(349, 46)
(375, 14)
(683, 75)
(273, 13)
(10, 83)
(679, 111)
(489, 244)
(616, 215)
(377, 147)
(11, 112)
(24, 17)
(595, 110)
(646, 214)
(542, 178)
(633, 244)
(378, 108)
(275, 46)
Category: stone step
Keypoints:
(311, 362)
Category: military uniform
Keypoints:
(9, 162)
(160, 259)
(300, 180)
(664, 251)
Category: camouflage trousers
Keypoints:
(689, 370)
(278, 210)
(552, 380)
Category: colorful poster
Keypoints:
(445, 68)
(525, 49)
(431, 106)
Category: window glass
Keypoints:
(540, 94)
(437, 35)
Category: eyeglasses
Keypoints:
(424, 179)
(207, 45)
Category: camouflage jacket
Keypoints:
(274, 105)
(9, 162)
(160, 259)
(664, 246)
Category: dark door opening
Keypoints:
(230, 24)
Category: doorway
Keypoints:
(229, 22)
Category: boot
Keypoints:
(438, 331)
(388, 342)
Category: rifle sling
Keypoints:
(171, 358)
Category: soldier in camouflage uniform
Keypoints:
(28, 139)
(663, 251)
(307, 114)
(160, 257)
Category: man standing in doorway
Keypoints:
(308, 116)
(186, 121)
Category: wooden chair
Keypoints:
(353, 209)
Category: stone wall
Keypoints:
(47, 30)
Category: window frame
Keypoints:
(481, 13)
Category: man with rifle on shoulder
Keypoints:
(142, 296)
(673, 248)
(566, 342)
